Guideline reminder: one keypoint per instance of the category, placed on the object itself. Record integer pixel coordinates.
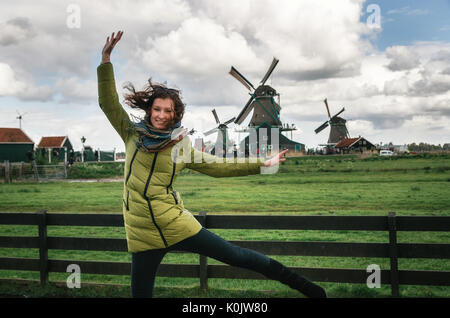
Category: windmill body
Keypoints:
(264, 102)
(338, 128)
(265, 108)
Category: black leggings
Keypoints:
(144, 265)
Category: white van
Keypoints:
(386, 153)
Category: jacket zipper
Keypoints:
(175, 197)
(173, 174)
(131, 163)
(148, 201)
(128, 177)
(171, 180)
(126, 203)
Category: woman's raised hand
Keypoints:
(276, 159)
(109, 46)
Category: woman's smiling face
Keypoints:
(162, 113)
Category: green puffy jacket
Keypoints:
(154, 214)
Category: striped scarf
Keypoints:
(152, 139)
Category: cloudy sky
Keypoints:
(387, 62)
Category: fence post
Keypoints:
(393, 253)
(7, 178)
(43, 251)
(35, 169)
(203, 259)
(21, 170)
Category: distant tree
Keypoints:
(424, 147)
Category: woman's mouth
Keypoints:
(161, 123)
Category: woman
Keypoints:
(156, 221)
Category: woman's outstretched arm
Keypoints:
(209, 165)
(107, 93)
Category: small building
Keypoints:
(15, 145)
(355, 145)
(55, 146)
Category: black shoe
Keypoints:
(286, 276)
(307, 287)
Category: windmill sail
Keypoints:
(322, 127)
(270, 70)
(245, 111)
(215, 116)
(339, 112)
(229, 121)
(326, 105)
(234, 72)
(209, 132)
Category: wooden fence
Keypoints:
(391, 249)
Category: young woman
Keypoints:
(155, 219)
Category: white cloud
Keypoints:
(401, 58)
(9, 85)
(197, 48)
(72, 89)
(15, 31)
(426, 76)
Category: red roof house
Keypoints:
(55, 142)
(15, 145)
(14, 135)
(360, 144)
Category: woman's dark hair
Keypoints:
(144, 99)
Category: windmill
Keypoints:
(338, 129)
(20, 117)
(266, 110)
(222, 135)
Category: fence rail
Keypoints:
(391, 250)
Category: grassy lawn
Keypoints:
(342, 185)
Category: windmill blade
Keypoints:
(270, 70)
(339, 112)
(212, 131)
(244, 113)
(229, 121)
(215, 116)
(234, 72)
(328, 110)
(321, 127)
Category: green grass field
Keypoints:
(325, 185)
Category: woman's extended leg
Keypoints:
(144, 266)
(211, 245)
